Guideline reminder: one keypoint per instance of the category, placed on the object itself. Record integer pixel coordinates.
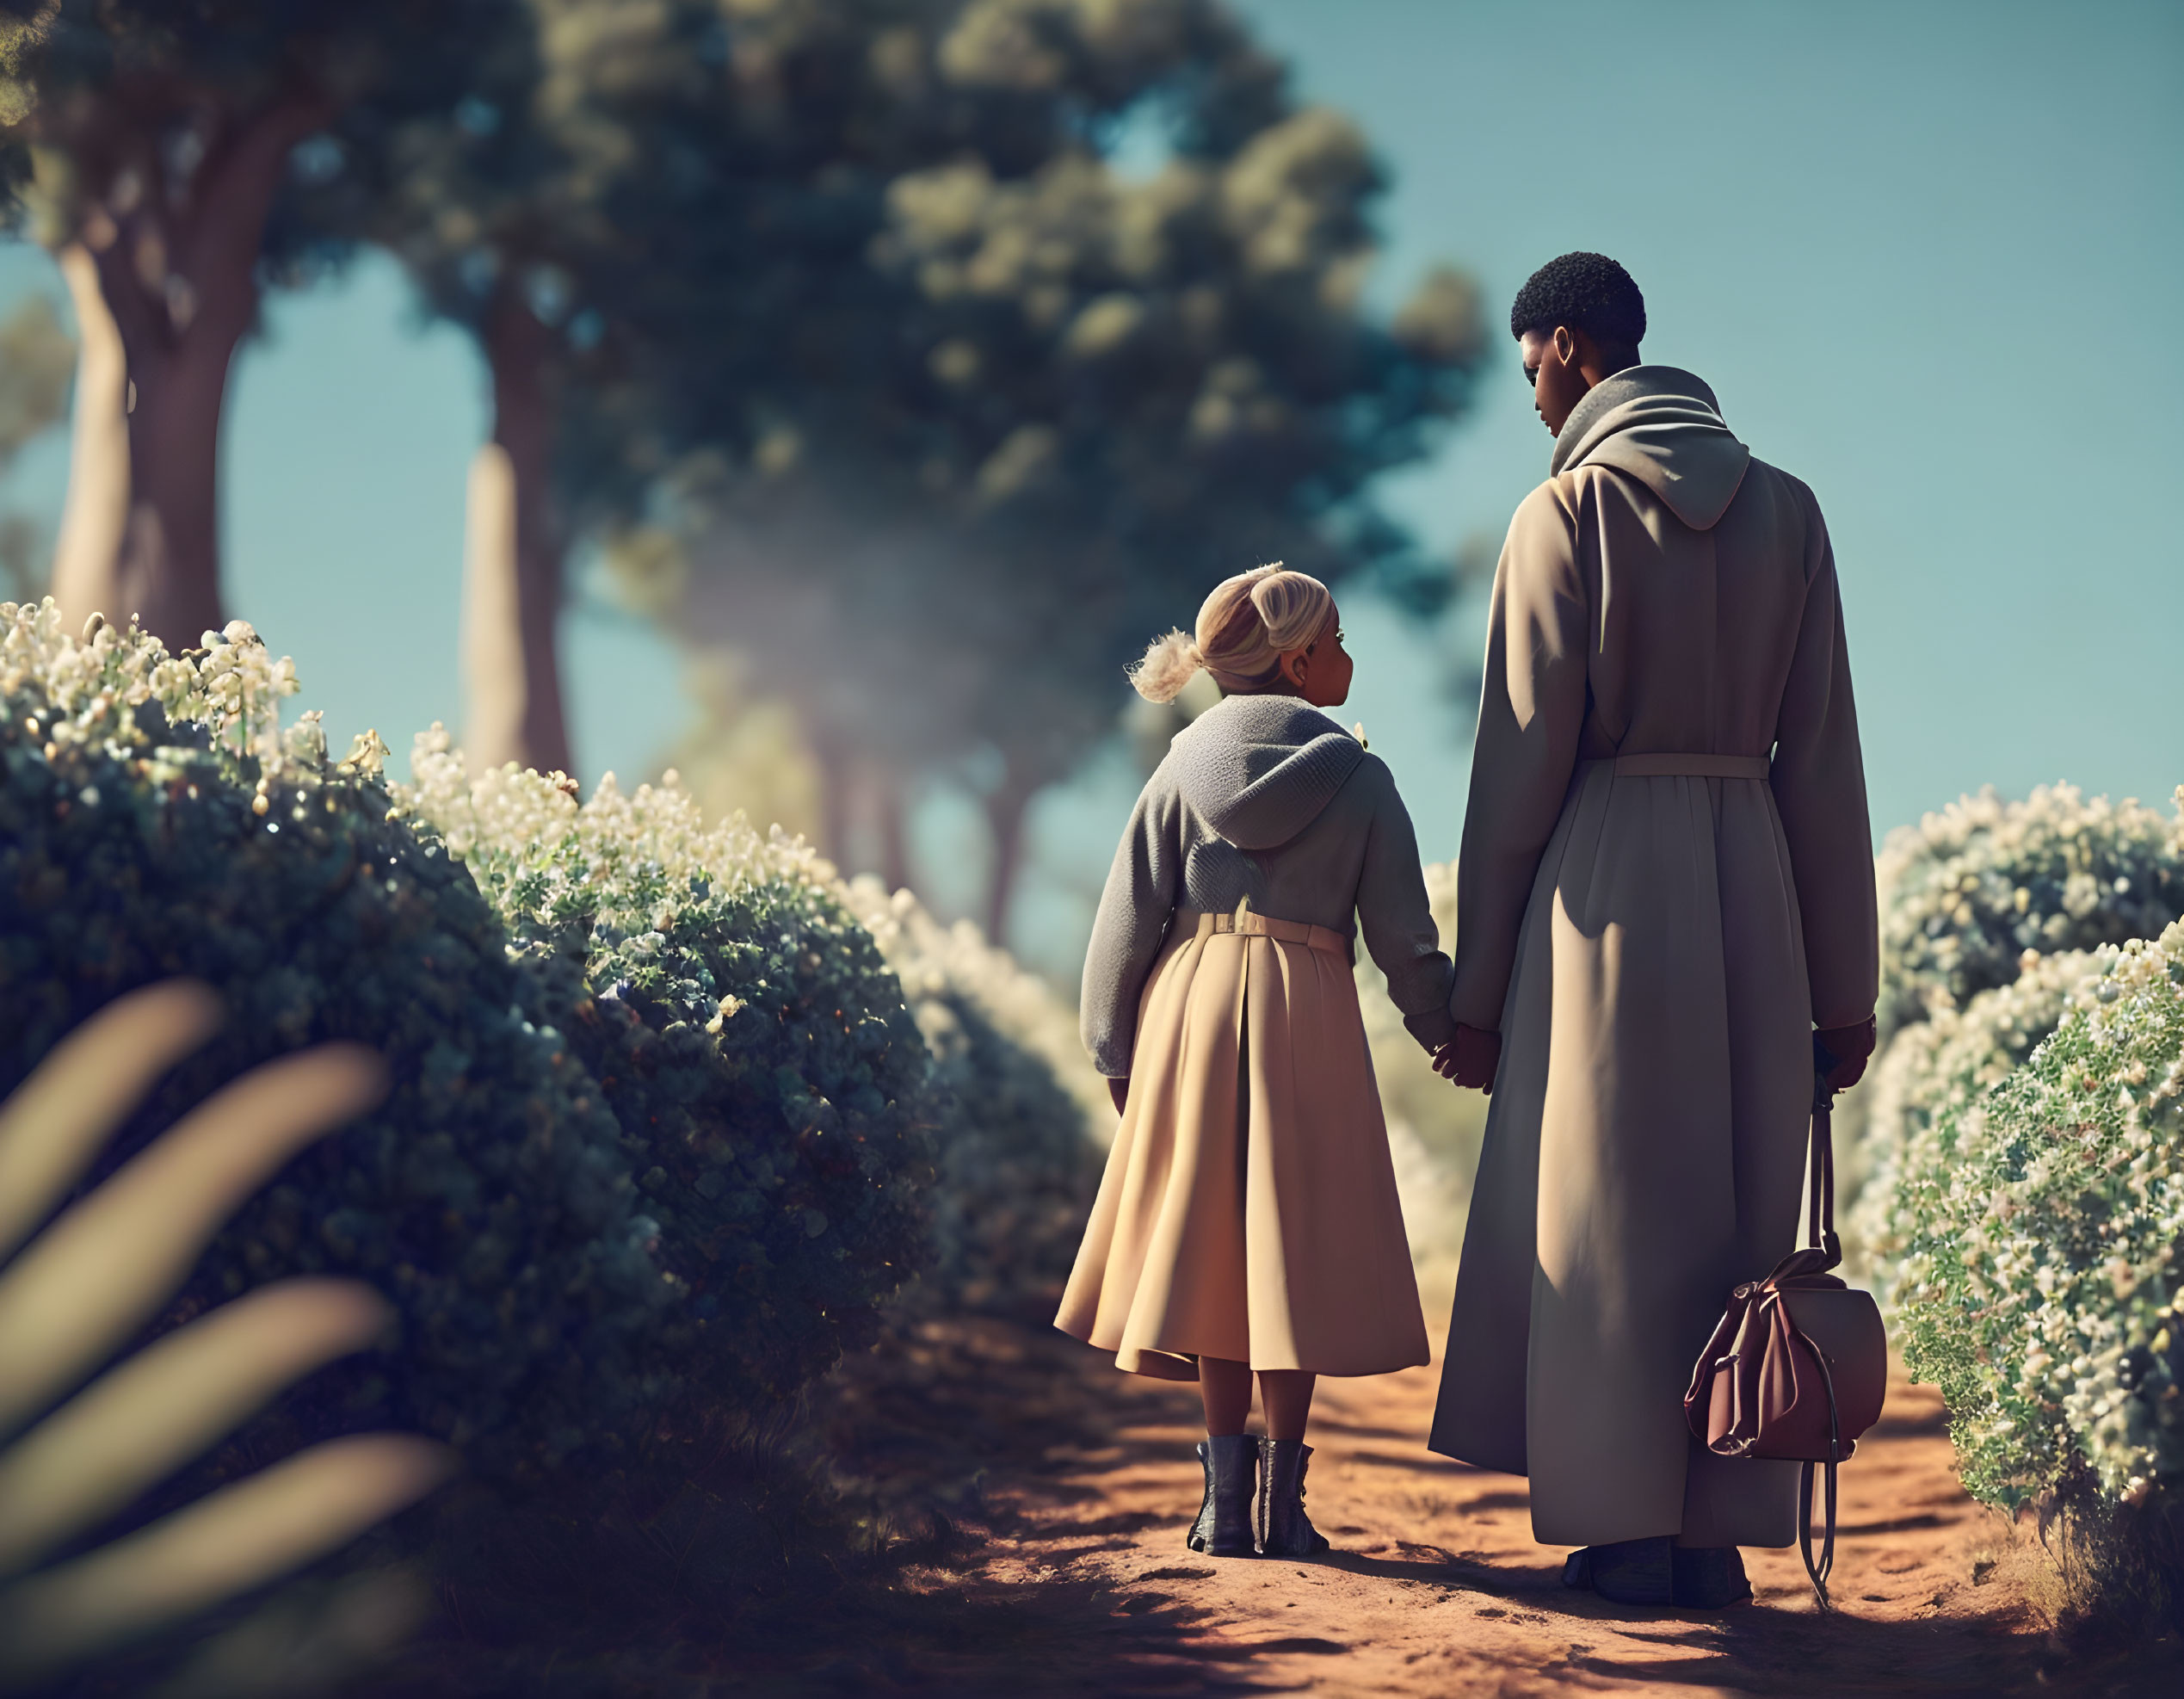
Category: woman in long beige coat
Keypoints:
(1248, 1223)
(1666, 883)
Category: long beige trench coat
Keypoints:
(1666, 881)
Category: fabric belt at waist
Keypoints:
(1197, 923)
(1687, 766)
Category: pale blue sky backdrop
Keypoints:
(1929, 257)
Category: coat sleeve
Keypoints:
(1133, 913)
(1395, 918)
(1819, 779)
(1532, 708)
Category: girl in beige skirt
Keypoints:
(1248, 1222)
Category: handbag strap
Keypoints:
(1820, 1229)
(1819, 1568)
(1820, 1210)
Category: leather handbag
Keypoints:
(1798, 1367)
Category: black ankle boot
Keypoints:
(1284, 1529)
(1709, 1578)
(1223, 1525)
(1628, 1572)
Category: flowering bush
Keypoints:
(1966, 892)
(1971, 897)
(1013, 1100)
(154, 822)
(769, 1081)
(1913, 1141)
(2039, 1288)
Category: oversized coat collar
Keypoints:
(1662, 426)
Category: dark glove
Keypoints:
(1120, 1091)
(1839, 1053)
(1470, 1058)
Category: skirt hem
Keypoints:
(1168, 1364)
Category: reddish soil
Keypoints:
(1040, 1499)
(1082, 1582)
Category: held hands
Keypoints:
(1470, 1058)
(1839, 1053)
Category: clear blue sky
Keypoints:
(1929, 255)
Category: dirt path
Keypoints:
(1082, 1583)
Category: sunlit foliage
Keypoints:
(751, 1039)
(155, 821)
(1966, 892)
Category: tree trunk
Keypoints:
(87, 557)
(493, 697)
(894, 830)
(833, 765)
(1006, 809)
(175, 257)
(512, 588)
(170, 571)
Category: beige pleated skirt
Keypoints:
(1249, 1209)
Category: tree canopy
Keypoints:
(1093, 397)
(834, 320)
(150, 137)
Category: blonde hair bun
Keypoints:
(1293, 606)
(1169, 664)
(1244, 628)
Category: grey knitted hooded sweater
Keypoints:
(1265, 798)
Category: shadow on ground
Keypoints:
(940, 1446)
(1018, 1510)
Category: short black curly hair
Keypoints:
(1587, 292)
